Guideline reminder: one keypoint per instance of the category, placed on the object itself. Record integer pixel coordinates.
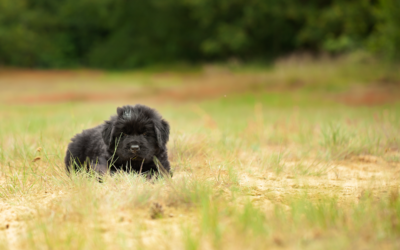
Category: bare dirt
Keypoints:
(40, 87)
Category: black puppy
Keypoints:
(133, 140)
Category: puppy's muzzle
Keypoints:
(135, 148)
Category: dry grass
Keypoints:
(251, 171)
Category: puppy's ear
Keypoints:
(107, 133)
(120, 111)
(162, 132)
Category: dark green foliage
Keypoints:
(386, 38)
(132, 33)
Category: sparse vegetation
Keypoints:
(292, 167)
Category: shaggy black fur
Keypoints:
(128, 141)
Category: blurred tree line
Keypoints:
(133, 33)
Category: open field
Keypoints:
(300, 155)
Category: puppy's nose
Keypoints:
(135, 147)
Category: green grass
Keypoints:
(252, 170)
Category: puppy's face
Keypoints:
(136, 133)
(135, 140)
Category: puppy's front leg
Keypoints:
(100, 169)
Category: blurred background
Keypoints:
(120, 34)
(302, 44)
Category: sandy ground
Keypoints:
(347, 180)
